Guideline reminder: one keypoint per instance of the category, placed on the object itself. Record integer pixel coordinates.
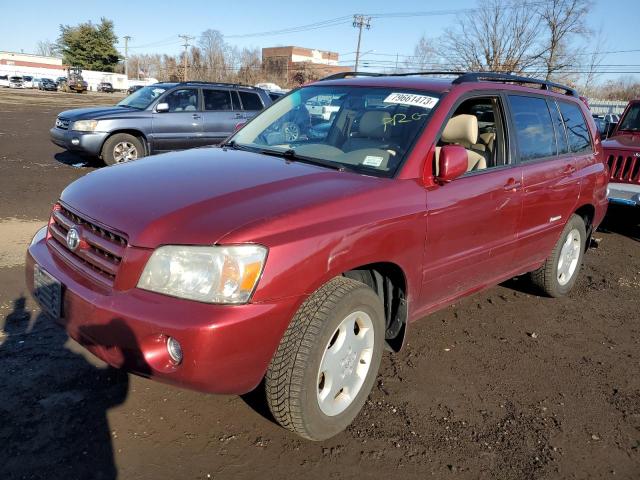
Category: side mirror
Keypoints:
(162, 107)
(452, 162)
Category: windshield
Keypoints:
(143, 97)
(631, 120)
(365, 129)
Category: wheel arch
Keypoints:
(587, 212)
(389, 281)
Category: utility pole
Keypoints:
(360, 21)
(186, 45)
(126, 55)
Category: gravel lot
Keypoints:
(505, 384)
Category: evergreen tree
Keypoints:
(89, 46)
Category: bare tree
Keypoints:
(215, 55)
(492, 37)
(46, 48)
(561, 21)
(425, 56)
(250, 70)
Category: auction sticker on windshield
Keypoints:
(424, 101)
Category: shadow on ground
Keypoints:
(53, 420)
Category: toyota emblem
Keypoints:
(73, 239)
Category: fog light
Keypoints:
(175, 350)
(75, 141)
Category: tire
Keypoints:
(121, 142)
(560, 271)
(299, 384)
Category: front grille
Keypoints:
(99, 251)
(62, 123)
(624, 167)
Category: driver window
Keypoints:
(183, 100)
(477, 126)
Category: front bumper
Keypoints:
(624, 194)
(227, 348)
(89, 143)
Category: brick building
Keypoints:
(298, 64)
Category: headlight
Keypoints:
(85, 125)
(40, 234)
(206, 274)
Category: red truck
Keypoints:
(622, 153)
(298, 261)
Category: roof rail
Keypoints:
(217, 84)
(338, 76)
(508, 78)
(464, 77)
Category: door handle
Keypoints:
(512, 185)
(196, 116)
(569, 169)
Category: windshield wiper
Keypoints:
(290, 154)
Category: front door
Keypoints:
(181, 126)
(472, 221)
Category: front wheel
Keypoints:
(327, 360)
(560, 271)
(121, 148)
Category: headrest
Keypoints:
(372, 124)
(461, 129)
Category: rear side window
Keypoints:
(534, 129)
(250, 101)
(577, 131)
(217, 100)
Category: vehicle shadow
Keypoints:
(74, 160)
(53, 420)
(622, 220)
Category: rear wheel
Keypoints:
(560, 271)
(121, 148)
(327, 360)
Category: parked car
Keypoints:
(324, 110)
(105, 87)
(275, 96)
(4, 81)
(60, 80)
(158, 118)
(133, 88)
(622, 153)
(27, 81)
(16, 82)
(48, 85)
(296, 262)
(600, 124)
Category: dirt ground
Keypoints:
(505, 384)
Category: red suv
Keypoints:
(297, 258)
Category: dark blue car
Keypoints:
(158, 118)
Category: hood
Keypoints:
(197, 196)
(97, 113)
(623, 141)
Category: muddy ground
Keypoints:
(505, 384)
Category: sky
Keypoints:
(154, 25)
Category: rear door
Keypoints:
(472, 221)
(251, 103)
(181, 126)
(219, 116)
(550, 179)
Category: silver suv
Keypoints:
(159, 118)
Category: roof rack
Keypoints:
(464, 77)
(216, 84)
(508, 78)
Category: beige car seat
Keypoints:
(463, 130)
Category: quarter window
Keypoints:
(577, 131)
(534, 129)
(250, 101)
(217, 99)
